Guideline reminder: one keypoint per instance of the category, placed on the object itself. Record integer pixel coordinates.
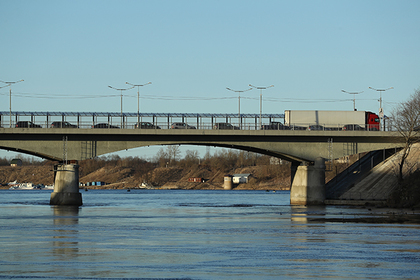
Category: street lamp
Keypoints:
(121, 90)
(138, 97)
(239, 103)
(354, 97)
(381, 110)
(261, 89)
(9, 84)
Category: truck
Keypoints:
(331, 120)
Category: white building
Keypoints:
(240, 178)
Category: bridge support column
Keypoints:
(227, 182)
(308, 187)
(293, 170)
(66, 185)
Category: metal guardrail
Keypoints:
(162, 120)
(133, 125)
(129, 120)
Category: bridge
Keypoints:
(84, 142)
(291, 145)
(297, 146)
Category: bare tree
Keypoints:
(406, 120)
(191, 157)
(161, 157)
(173, 152)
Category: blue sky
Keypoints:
(68, 52)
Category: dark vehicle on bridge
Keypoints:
(27, 124)
(181, 125)
(104, 125)
(317, 127)
(352, 127)
(146, 125)
(63, 125)
(225, 126)
(274, 126)
(297, 127)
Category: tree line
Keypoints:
(170, 156)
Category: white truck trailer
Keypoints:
(335, 120)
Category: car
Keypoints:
(146, 125)
(274, 126)
(225, 126)
(62, 125)
(104, 125)
(296, 127)
(317, 127)
(352, 127)
(181, 125)
(27, 124)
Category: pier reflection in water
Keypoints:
(198, 235)
(65, 239)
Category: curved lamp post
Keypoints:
(354, 97)
(9, 84)
(261, 89)
(138, 97)
(239, 103)
(381, 110)
(121, 90)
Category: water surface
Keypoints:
(184, 234)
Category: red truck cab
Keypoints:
(372, 121)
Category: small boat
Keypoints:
(48, 187)
(25, 186)
(13, 185)
(22, 186)
(145, 185)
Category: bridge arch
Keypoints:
(31, 153)
(92, 155)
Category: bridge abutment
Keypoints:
(66, 185)
(308, 187)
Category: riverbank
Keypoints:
(263, 177)
(123, 175)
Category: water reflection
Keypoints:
(65, 231)
(303, 214)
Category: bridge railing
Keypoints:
(134, 125)
(164, 121)
(129, 120)
(169, 125)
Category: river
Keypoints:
(197, 234)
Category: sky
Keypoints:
(69, 52)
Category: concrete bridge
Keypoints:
(307, 150)
(292, 145)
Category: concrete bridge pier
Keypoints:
(66, 185)
(308, 187)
